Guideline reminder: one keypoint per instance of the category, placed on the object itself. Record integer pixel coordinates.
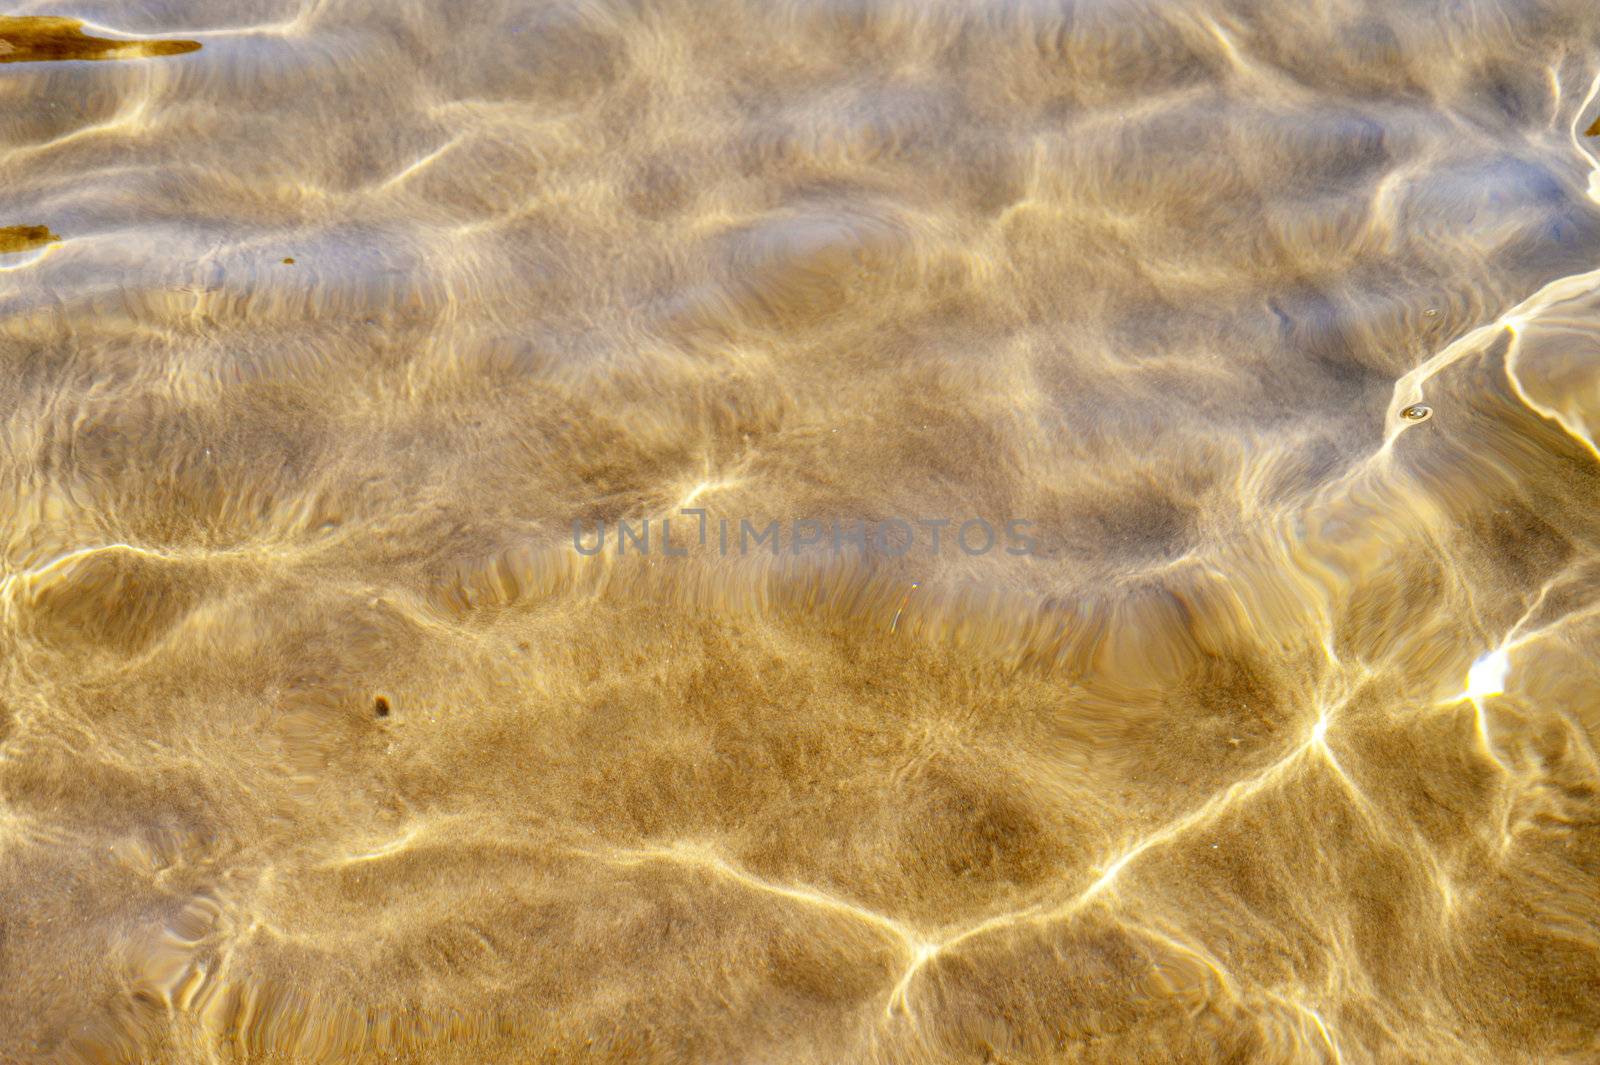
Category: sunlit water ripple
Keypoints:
(1265, 337)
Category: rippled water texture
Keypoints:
(321, 322)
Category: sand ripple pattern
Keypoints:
(320, 324)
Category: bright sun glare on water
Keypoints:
(1488, 675)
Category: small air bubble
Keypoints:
(1430, 313)
(1417, 412)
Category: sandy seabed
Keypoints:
(323, 322)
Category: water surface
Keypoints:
(321, 323)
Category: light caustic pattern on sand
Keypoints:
(320, 324)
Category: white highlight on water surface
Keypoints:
(1488, 675)
(1486, 678)
(1578, 140)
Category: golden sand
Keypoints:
(323, 740)
(40, 39)
(22, 238)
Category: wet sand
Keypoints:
(1275, 327)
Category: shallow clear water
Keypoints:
(342, 719)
